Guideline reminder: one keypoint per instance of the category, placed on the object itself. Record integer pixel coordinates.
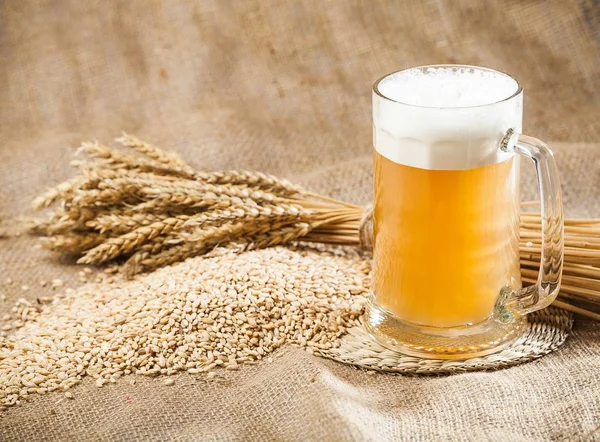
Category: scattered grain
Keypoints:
(201, 315)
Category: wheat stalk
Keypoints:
(161, 156)
(207, 239)
(146, 205)
(115, 159)
(73, 243)
(118, 224)
(52, 195)
(124, 244)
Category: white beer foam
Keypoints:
(445, 118)
(448, 87)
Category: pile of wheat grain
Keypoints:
(202, 314)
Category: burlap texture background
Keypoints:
(284, 87)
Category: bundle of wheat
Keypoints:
(144, 208)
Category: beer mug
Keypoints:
(446, 275)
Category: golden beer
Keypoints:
(446, 241)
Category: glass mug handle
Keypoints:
(515, 303)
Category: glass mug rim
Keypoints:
(379, 93)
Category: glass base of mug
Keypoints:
(463, 342)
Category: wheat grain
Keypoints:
(199, 316)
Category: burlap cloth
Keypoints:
(284, 87)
